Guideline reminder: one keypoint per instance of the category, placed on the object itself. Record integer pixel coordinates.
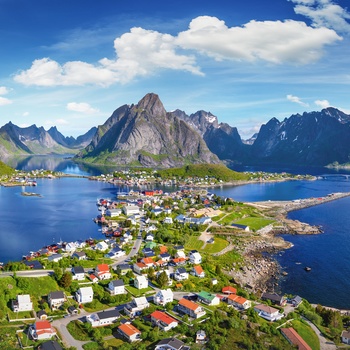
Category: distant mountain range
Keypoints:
(147, 135)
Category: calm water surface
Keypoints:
(68, 205)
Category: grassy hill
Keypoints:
(5, 169)
(218, 171)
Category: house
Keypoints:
(135, 307)
(72, 310)
(41, 315)
(113, 213)
(102, 272)
(56, 299)
(198, 271)
(148, 252)
(70, 247)
(268, 312)
(149, 262)
(171, 344)
(296, 300)
(201, 337)
(208, 298)
(116, 287)
(274, 298)
(141, 282)
(164, 257)
(84, 295)
(178, 261)
(93, 278)
(214, 281)
(241, 227)
(229, 290)
(103, 318)
(181, 274)
(130, 332)
(168, 220)
(22, 303)
(163, 296)
(79, 255)
(139, 267)
(50, 345)
(190, 308)
(295, 339)
(123, 269)
(42, 330)
(238, 302)
(345, 337)
(130, 210)
(55, 257)
(101, 246)
(163, 320)
(78, 273)
(195, 257)
(149, 237)
(115, 253)
(180, 254)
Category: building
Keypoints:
(84, 295)
(345, 337)
(274, 298)
(123, 269)
(78, 273)
(50, 345)
(79, 255)
(296, 300)
(135, 307)
(113, 212)
(238, 302)
(198, 271)
(41, 330)
(22, 303)
(163, 320)
(208, 298)
(56, 299)
(140, 282)
(229, 290)
(195, 257)
(103, 318)
(116, 287)
(181, 274)
(102, 272)
(268, 313)
(190, 308)
(130, 332)
(295, 339)
(171, 344)
(102, 246)
(131, 210)
(163, 297)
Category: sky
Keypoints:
(70, 64)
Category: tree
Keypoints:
(66, 280)
(57, 272)
(162, 279)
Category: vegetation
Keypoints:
(5, 169)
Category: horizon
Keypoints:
(71, 65)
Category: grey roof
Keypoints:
(117, 283)
(50, 345)
(107, 314)
(123, 266)
(56, 295)
(273, 297)
(173, 342)
(78, 269)
(181, 270)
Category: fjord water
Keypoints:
(68, 205)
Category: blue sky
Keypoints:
(72, 63)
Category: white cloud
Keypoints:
(4, 101)
(143, 52)
(324, 13)
(322, 103)
(25, 114)
(4, 90)
(81, 108)
(61, 122)
(297, 100)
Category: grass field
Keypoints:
(193, 243)
(307, 334)
(254, 223)
(218, 245)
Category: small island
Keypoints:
(31, 194)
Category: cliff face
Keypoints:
(316, 138)
(145, 134)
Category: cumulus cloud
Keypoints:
(142, 52)
(25, 114)
(322, 103)
(297, 100)
(4, 90)
(4, 101)
(324, 13)
(81, 107)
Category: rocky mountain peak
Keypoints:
(152, 104)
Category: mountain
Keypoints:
(222, 139)
(315, 138)
(145, 134)
(70, 142)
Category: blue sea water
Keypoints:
(68, 205)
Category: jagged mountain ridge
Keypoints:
(70, 142)
(145, 134)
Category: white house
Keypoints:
(163, 296)
(102, 246)
(113, 212)
(195, 257)
(116, 287)
(140, 282)
(70, 247)
(163, 320)
(55, 257)
(79, 255)
(102, 272)
(208, 298)
(41, 330)
(22, 303)
(131, 210)
(238, 302)
(168, 220)
(103, 318)
(84, 295)
(135, 307)
(181, 274)
(345, 337)
(267, 312)
(190, 308)
(78, 273)
(130, 332)
(56, 299)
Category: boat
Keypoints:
(307, 268)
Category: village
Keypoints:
(167, 266)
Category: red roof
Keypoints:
(294, 338)
(41, 325)
(229, 290)
(148, 261)
(128, 329)
(198, 269)
(237, 299)
(189, 304)
(103, 268)
(161, 316)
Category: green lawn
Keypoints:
(218, 245)
(307, 334)
(255, 223)
(193, 243)
(138, 292)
